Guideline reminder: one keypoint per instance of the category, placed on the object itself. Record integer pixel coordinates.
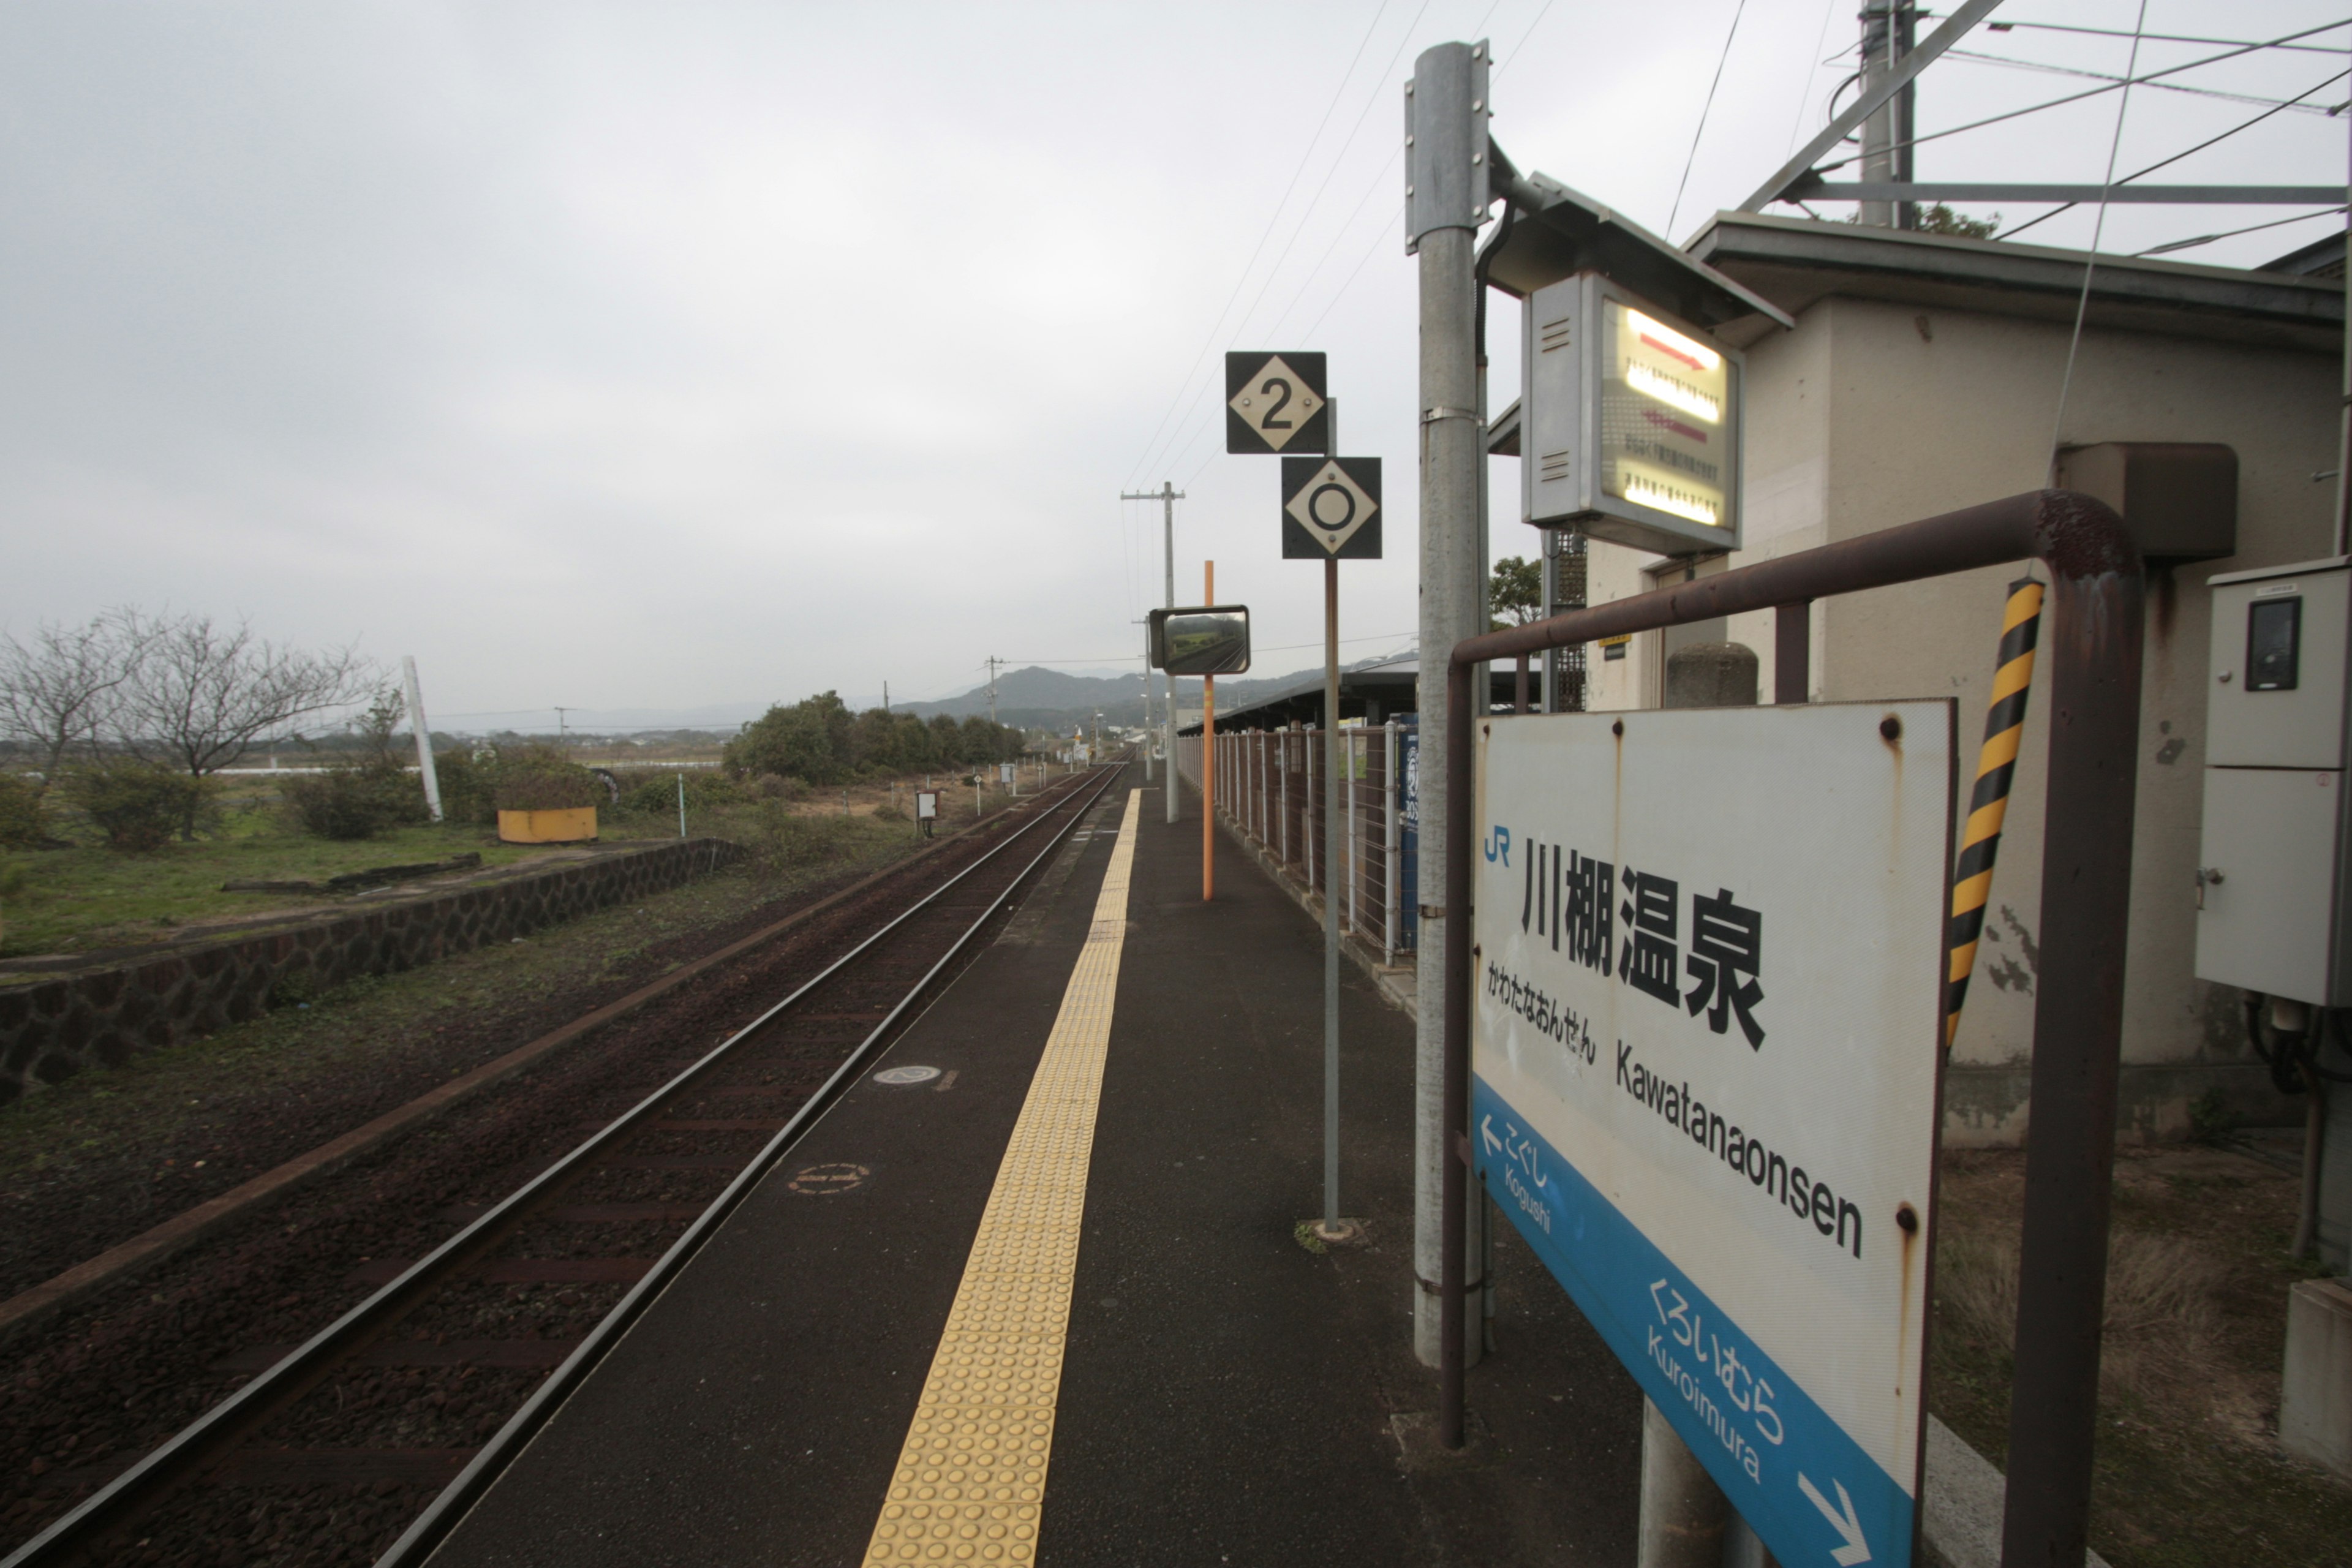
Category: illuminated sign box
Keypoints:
(1631, 422)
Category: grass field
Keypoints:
(88, 897)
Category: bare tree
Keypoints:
(59, 690)
(201, 696)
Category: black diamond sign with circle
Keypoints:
(1275, 403)
(1330, 507)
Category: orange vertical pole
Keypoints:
(1208, 755)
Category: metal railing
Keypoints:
(1270, 792)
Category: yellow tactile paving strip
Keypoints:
(971, 1479)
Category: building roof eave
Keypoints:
(1797, 262)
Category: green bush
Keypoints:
(353, 803)
(20, 813)
(654, 792)
(137, 804)
(465, 786)
(546, 784)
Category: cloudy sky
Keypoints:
(662, 356)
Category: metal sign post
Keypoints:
(1331, 510)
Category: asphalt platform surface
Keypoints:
(1228, 1395)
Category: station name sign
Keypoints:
(1631, 422)
(1704, 1047)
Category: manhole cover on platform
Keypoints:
(824, 1181)
(906, 1074)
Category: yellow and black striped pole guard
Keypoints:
(1989, 803)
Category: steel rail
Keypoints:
(2095, 653)
(187, 1452)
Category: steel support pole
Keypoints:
(1167, 682)
(1331, 1228)
(1208, 755)
(1445, 204)
(2095, 653)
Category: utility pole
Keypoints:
(886, 695)
(1446, 200)
(561, 739)
(1167, 495)
(992, 662)
(424, 738)
(1888, 28)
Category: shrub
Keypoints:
(353, 803)
(137, 804)
(20, 813)
(465, 786)
(542, 784)
(782, 840)
(654, 792)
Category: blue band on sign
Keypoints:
(1804, 1486)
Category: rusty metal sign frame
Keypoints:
(2094, 648)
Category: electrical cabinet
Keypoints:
(2272, 883)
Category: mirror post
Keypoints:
(1208, 755)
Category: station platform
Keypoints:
(1053, 1305)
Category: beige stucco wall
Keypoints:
(1871, 414)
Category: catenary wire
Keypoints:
(2156, 37)
(2091, 261)
(1188, 425)
(2087, 93)
(1805, 90)
(2170, 245)
(1974, 58)
(1273, 222)
(1705, 109)
(2165, 162)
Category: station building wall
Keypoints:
(1872, 413)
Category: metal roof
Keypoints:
(1392, 685)
(1796, 262)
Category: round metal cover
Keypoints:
(906, 1074)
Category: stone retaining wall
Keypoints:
(102, 1015)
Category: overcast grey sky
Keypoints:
(656, 356)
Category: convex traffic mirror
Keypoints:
(1208, 639)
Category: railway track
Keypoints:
(445, 1370)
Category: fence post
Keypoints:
(1389, 789)
(1306, 817)
(1355, 854)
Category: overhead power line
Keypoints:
(1273, 222)
(2088, 93)
(2232, 232)
(2048, 69)
(1705, 110)
(2159, 37)
(2167, 163)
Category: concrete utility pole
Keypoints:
(1167, 495)
(417, 727)
(992, 662)
(1445, 203)
(1888, 30)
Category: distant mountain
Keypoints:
(1038, 698)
